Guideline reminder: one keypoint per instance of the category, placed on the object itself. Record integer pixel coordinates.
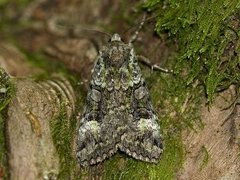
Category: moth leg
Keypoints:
(148, 63)
(142, 140)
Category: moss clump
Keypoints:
(6, 93)
(63, 133)
(6, 89)
(208, 36)
(3, 157)
(123, 167)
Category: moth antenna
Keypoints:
(93, 30)
(72, 28)
(135, 35)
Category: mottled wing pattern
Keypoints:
(142, 140)
(118, 112)
(96, 140)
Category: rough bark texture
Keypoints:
(212, 152)
(32, 154)
(31, 150)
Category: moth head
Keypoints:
(117, 52)
(116, 37)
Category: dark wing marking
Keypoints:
(142, 140)
(96, 140)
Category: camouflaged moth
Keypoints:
(118, 114)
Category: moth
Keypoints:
(118, 114)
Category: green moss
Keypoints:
(3, 154)
(6, 89)
(207, 57)
(6, 93)
(122, 166)
(207, 33)
(63, 132)
(178, 108)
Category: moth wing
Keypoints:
(93, 144)
(96, 140)
(143, 139)
(97, 136)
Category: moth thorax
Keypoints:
(116, 57)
